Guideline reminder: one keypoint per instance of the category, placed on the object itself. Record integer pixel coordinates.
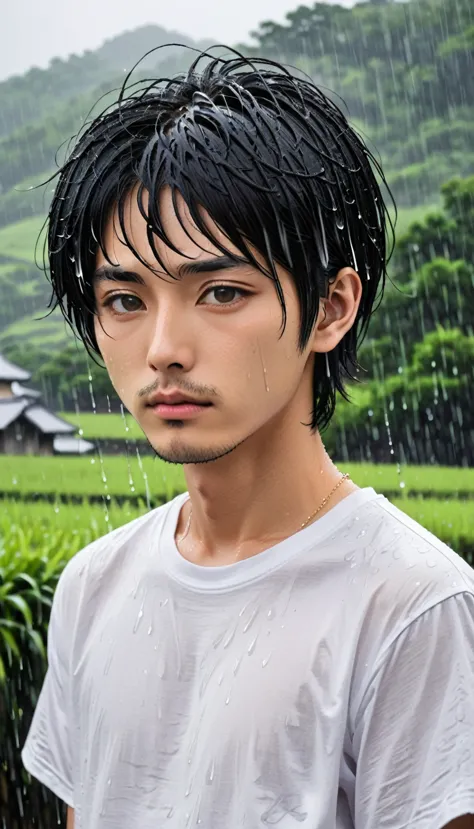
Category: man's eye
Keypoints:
(124, 298)
(224, 295)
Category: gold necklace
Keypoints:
(313, 514)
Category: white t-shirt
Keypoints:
(325, 683)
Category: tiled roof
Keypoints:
(10, 409)
(9, 371)
(48, 423)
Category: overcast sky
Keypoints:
(34, 31)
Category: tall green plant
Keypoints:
(31, 561)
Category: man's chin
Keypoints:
(177, 452)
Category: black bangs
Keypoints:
(266, 155)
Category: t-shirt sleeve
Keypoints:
(47, 751)
(413, 740)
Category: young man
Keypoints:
(276, 646)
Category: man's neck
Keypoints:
(256, 496)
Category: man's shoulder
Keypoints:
(88, 566)
(412, 569)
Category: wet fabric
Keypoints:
(324, 683)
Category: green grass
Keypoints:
(18, 240)
(92, 426)
(85, 476)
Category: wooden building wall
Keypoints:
(23, 438)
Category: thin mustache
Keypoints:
(204, 391)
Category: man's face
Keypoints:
(214, 336)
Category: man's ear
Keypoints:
(337, 311)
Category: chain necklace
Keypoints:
(313, 514)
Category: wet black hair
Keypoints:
(273, 161)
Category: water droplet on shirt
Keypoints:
(150, 630)
(270, 613)
(431, 562)
(229, 638)
(210, 773)
(171, 810)
(454, 584)
(227, 700)
(349, 556)
(266, 661)
(251, 620)
(237, 665)
(362, 533)
(251, 647)
(138, 620)
(219, 681)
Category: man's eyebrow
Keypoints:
(107, 272)
(217, 263)
(196, 266)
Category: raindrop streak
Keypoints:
(263, 367)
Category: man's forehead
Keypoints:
(128, 229)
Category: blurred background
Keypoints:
(73, 463)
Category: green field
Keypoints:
(83, 476)
(91, 426)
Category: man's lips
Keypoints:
(179, 411)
